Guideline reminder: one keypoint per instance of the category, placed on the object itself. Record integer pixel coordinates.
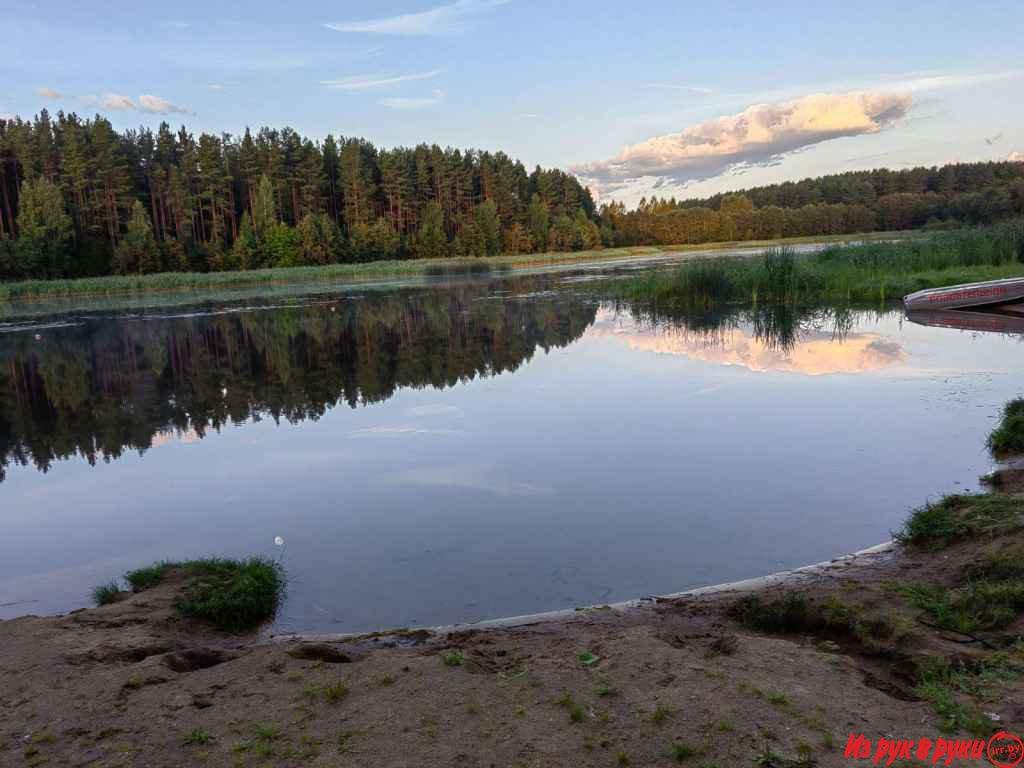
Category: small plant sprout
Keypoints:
(588, 659)
(453, 658)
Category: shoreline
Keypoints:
(341, 274)
(789, 577)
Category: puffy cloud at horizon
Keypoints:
(48, 93)
(146, 103)
(149, 103)
(1016, 157)
(758, 135)
(442, 20)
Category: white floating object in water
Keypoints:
(279, 541)
(990, 292)
(39, 337)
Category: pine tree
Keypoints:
(431, 241)
(45, 231)
(137, 252)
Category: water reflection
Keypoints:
(597, 471)
(104, 386)
(801, 346)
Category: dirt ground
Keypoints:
(665, 683)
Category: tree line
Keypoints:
(78, 198)
(965, 194)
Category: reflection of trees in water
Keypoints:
(111, 385)
(779, 327)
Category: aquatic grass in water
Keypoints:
(863, 273)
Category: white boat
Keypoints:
(989, 293)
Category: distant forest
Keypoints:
(79, 199)
(966, 194)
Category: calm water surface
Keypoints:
(475, 449)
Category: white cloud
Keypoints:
(366, 82)
(48, 93)
(215, 87)
(175, 25)
(149, 103)
(411, 103)
(758, 135)
(1016, 157)
(146, 103)
(112, 101)
(442, 20)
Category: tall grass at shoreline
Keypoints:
(165, 282)
(841, 274)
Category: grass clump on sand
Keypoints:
(939, 524)
(233, 595)
(1008, 438)
(795, 613)
(860, 273)
(105, 594)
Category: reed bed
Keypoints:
(865, 273)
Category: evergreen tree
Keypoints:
(137, 252)
(45, 231)
(489, 227)
(539, 222)
(431, 241)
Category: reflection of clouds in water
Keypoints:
(435, 409)
(815, 353)
(175, 436)
(398, 431)
(470, 477)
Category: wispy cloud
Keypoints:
(411, 103)
(443, 20)
(174, 24)
(216, 87)
(758, 135)
(675, 87)
(146, 103)
(366, 82)
(48, 93)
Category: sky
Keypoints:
(670, 98)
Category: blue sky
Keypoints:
(567, 84)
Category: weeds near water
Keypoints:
(859, 273)
(105, 594)
(1008, 438)
(939, 524)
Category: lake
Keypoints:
(474, 447)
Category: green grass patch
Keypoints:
(796, 613)
(233, 595)
(453, 658)
(947, 686)
(105, 594)
(680, 751)
(937, 525)
(196, 737)
(1008, 438)
(978, 605)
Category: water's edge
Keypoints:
(863, 558)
